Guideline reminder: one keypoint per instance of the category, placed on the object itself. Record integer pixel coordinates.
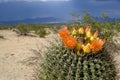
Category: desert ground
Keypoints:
(19, 55)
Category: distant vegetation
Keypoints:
(3, 27)
(38, 30)
(106, 28)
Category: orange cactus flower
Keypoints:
(96, 34)
(97, 45)
(70, 42)
(64, 33)
(81, 30)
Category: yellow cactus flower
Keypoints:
(92, 38)
(86, 48)
(74, 32)
(88, 34)
(81, 30)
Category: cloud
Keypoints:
(106, 0)
(44, 0)
(32, 0)
(49, 0)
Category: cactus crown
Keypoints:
(82, 40)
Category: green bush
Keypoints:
(41, 32)
(23, 29)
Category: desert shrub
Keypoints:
(34, 27)
(1, 37)
(6, 27)
(23, 29)
(42, 32)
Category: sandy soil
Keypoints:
(116, 54)
(19, 55)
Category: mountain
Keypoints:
(52, 20)
(38, 20)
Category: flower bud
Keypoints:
(81, 30)
(78, 46)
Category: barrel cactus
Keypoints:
(71, 61)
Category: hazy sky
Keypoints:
(22, 9)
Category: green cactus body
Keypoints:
(63, 64)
